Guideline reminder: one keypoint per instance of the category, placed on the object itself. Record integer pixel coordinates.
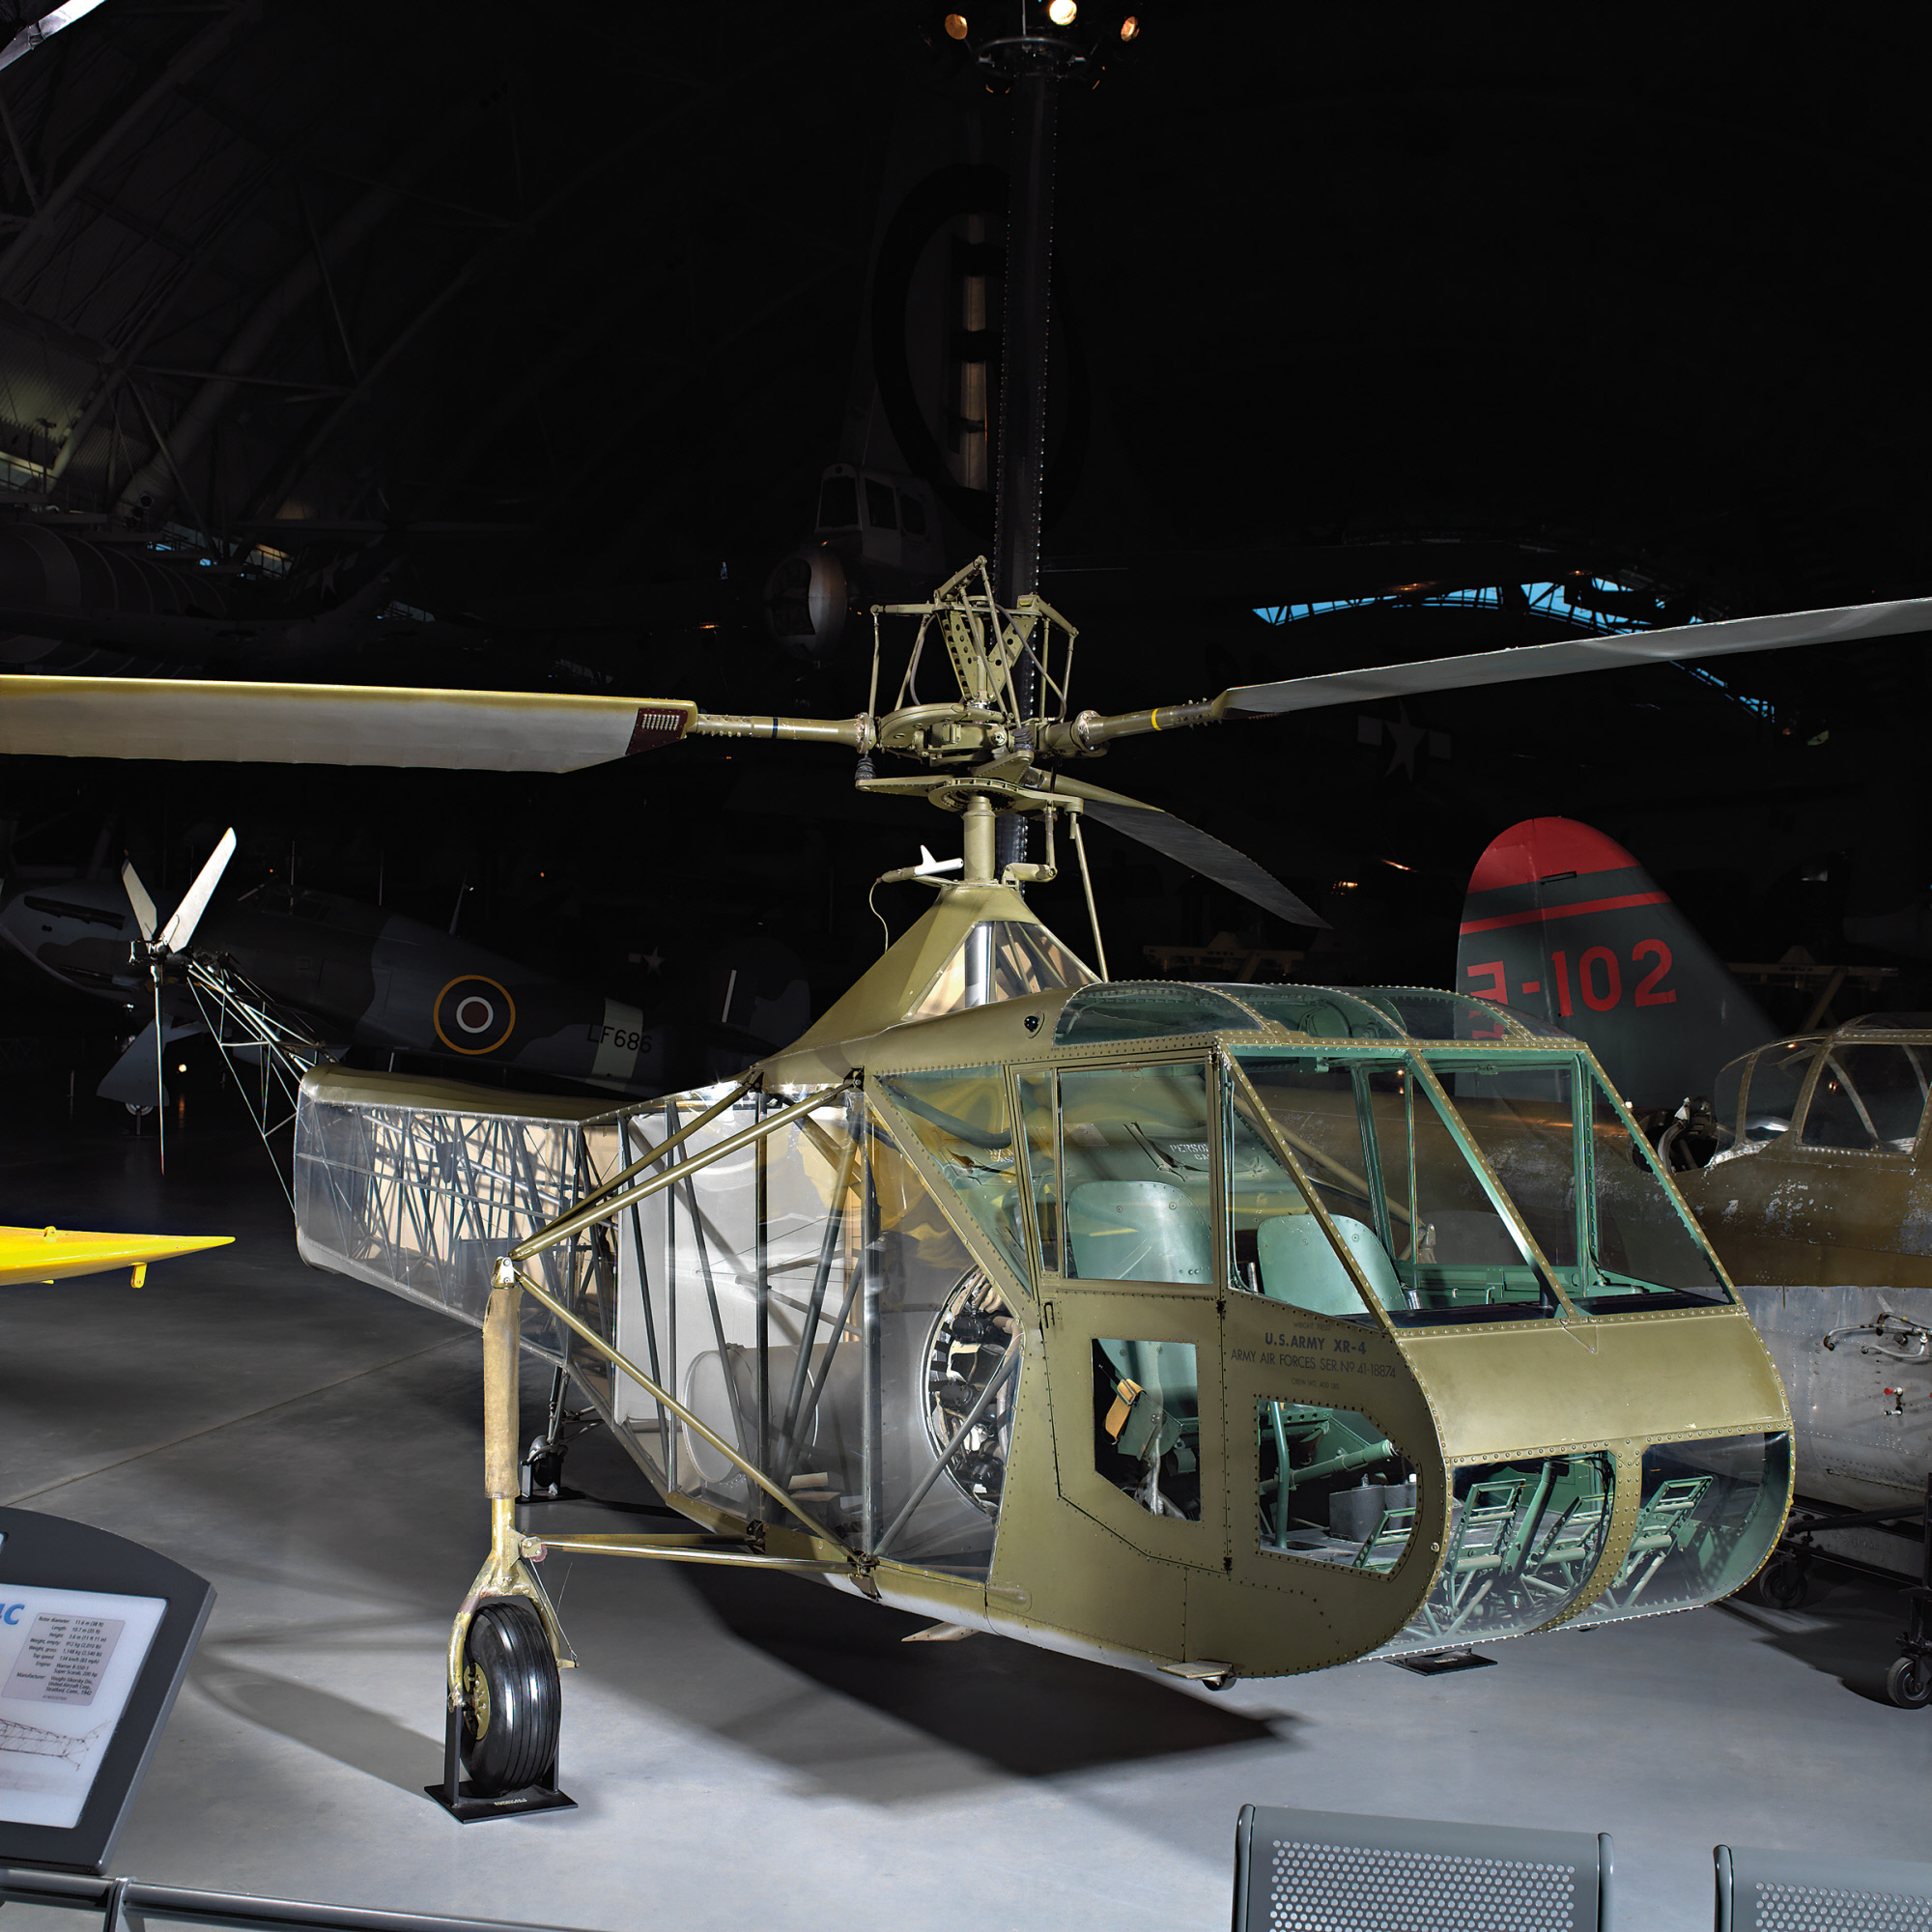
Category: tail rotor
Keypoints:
(169, 942)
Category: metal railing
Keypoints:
(120, 1900)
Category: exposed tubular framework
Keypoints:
(606, 1203)
(652, 1155)
(268, 1052)
(663, 1398)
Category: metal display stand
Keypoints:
(459, 1798)
(1782, 1582)
(49, 1554)
(1909, 1682)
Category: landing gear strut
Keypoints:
(1909, 1680)
(540, 1476)
(504, 1704)
(1785, 1581)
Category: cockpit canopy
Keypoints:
(1148, 1008)
(1861, 1087)
(1458, 1176)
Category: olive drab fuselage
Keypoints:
(1230, 1331)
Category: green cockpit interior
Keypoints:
(1436, 1186)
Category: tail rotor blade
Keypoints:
(179, 929)
(144, 915)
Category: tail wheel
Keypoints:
(1908, 1683)
(1785, 1582)
(512, 1699)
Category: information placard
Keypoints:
(95, 1633)
(69, 1659)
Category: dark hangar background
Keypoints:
(473, 346)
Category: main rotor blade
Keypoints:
(179, 929)
(145, 914)
(1680, 643)
(330, 723)
(1187, 844)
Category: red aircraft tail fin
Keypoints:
(1563, 923)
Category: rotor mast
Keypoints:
(1032, 62)
(1034, 68)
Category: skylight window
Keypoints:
(1560, 601)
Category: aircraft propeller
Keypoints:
(170, 940)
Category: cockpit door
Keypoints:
(1128, 1245)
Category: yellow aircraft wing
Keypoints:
(51, 1254)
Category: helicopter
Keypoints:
(1184, 1327)
(1218, 1331)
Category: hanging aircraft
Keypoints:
(1819, 1190)
(1222, 1331)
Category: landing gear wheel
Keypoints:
(1785, 1582)
(1908, 1683)
(512, 1699)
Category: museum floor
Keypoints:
(759, 1752)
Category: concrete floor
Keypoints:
(758, 1750)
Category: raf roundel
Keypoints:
(475, 1015)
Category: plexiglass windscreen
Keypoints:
(1414, 1210)
(1594, 1202)
(1870, 1097)
(1134, 1143)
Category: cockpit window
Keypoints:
(1135, 1148)
(1323, 1012)
(1146, 1010)
(1757, 1097)
(1425, 1012)
(1411, 1207)
(1870, 1097)
(837, 503)
(1637, 1250)
(962, 1120)
(1277, 1244)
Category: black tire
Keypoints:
(1785, 1582)
(1908, 1683)
(512, 1699)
